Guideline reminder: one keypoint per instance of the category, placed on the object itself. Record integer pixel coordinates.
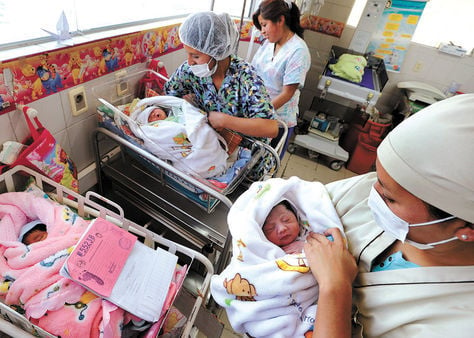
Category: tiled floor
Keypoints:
(308, 169)
(298, 164)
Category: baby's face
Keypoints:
(157, 114)
(35, 236)
(281, 226)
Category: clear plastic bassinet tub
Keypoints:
(116, 96)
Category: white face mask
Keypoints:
(396, 226)
(203, 70)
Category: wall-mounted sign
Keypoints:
(394, 32)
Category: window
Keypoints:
(441, 21)
(234, 8)
(24, 20)
(356, 12)
(445, 21)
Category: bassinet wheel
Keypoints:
(291, 148)
(336, 165)
(313, 155)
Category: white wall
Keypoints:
(74, 133)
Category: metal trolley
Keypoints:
(184, 207)
(191, 298)
(323, 135)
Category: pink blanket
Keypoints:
(29, 274)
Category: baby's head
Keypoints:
(33, 232)
(157, 114)
(281, 227)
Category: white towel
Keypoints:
(187, 140)
(266, 292)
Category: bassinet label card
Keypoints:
(100, 256)
(110, 262)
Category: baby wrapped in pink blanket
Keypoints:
(29, 274)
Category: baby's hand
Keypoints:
(293, 248)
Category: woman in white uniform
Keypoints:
(283, 60)
(410, 228)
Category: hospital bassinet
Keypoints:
(122, 91)
(188, 302)
(337, 102)
(187, 206)
(367, 91)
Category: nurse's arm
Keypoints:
(285, 95)
(255, 127)
(334, 268)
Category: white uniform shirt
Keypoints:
(289, 66)
(414, 302)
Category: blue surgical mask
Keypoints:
(396, 226)
(203, 70)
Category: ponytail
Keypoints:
(273, 9)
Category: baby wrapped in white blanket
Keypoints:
(184, 137)
(266, 292)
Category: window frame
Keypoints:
(127, 27)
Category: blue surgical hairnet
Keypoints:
(213, 34)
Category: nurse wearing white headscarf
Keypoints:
(410, 228)
(219, 82)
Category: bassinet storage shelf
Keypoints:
(147, 193)
(189, 302)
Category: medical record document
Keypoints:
(111, 262)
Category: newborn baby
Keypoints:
(282, 228)
(157, 114)
(33, 232)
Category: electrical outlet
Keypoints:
(78, 100)
(418, 67)
(122, 83)
(122, 87)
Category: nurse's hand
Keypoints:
(190, 98)
(218, 120)
(330, 261)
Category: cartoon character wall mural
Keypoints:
(322, 25)
(50, 78)
(75, 67)
(39, 75)
(128, 52)
(111, 56)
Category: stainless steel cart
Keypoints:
(189, 300)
